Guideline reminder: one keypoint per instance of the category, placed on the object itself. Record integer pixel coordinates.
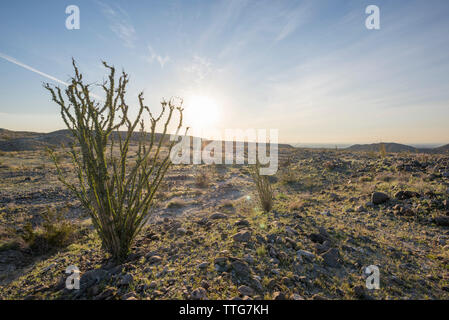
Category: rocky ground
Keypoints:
(335, 213)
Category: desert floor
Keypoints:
(208, 239)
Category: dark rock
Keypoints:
(296, 296)
(404, 195)
(317, 237)
(154, 259)
(246, 291)
(442, 221)
(198, 294)
(218, 215)
(126, 279)
(92, 277)
(203, 265)
(331, 258)
(220, 260)
(379, 198)
(242, 236)
(241, 268)
(279, 296)
(359, 293)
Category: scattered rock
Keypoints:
(92, 277)
(205, 284)
(306, 254)
(181, 231)
(242, 236)
(442, 221)
(154, 259)
(241, 268)
(331, 258)
(246, 291)
(317, 237)
(126, 279)
(404, 195)
(279, 296)
(220, 260)
(218, 215)
(379, 198)
(203, 265)
(198, 294)
(242, 223)
(359, 293)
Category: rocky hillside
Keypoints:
(443, 149)
(389, 147)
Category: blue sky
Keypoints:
(309, 68)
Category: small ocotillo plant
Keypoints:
(382, 150)
(116, 193)
(263, 187)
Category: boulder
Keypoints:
(331, 258)
(379, 198)
(242, 236)
(442, 221)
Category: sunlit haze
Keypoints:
(308, 68)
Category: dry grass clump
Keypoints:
(202, 179)
(54, 232)
(176, 204)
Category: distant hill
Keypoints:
(389, 147)
(30, 141)
(8, 134)
(443, 149)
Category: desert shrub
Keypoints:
(382, 150)
(264, 190)
(261, 251)
(287, 176)
(202, 179)
(54, 232)
(117, 193)
(176, 204)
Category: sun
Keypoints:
(201, 112)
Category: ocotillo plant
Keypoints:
(116, 193)
(263, 186)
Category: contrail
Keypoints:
(23, 65)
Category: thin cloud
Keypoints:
(23, 65)
(46, 75)
(293, 19)
(154, 56)
(119, 24)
